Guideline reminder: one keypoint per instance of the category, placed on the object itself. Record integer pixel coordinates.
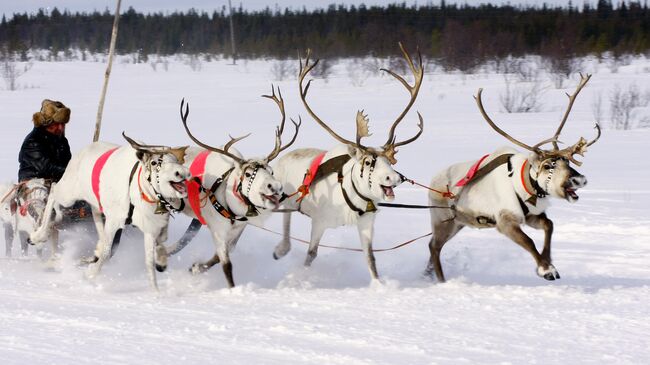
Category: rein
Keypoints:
(402, 244)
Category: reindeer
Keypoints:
(234, 190)
(506, 189)
(137, 184)
(343, 185)
(21, 210)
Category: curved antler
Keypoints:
(487, 118)
(418, 74)
(420, 125)
(304, 70)
(214, 149)
(178, 152)
(597, 127)
(278, 131)
(572, 98)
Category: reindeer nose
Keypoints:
(578, 181)
(275, 188)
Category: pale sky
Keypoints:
(8, 7)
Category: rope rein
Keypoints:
(347, 248)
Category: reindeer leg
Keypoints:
(542, 222)
(509, 225)
(9, 238)
(201, 267)
(161, 255)
(24, 242)
(442, 233)
(316, 234)
(103, 251)
(149, 258)
(285, 245)
(365, 228)
(54, 239)
(101, 237)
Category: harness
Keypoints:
(531, 187)
(163, 205)
(318, 171)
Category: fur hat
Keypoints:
(51, 112)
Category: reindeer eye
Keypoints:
(153, 163)
(248, 174)
(367, 163)
(547, 166)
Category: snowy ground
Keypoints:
(493, 309)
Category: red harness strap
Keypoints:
(472, 171)
(97, 170)
(523, 178)
(197, 168)
(309, 176)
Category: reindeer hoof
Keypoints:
(29, 241)
(198, 268)
(549, 273)
(549, 277)
(275, 256)
(89, 260)
(161, 268)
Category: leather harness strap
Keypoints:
(334, 165)
(222, 210)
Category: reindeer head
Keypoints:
(551, 168)
(256, 183)
(31, 199)
(163, 167)
(373, 169)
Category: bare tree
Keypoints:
(623, 103)
(11, 71)
(283, 69)
(597, 107)
(519, 97)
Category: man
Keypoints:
(45, 153)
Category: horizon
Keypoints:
(170, 6)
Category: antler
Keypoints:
(418, 74)
(304, 70)
(579, 148)
(223, 151)
(572, 98)
(278, 131)
(178, 152)
(487, 118)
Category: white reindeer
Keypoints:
(226, 190)
(343, 185)
(507, 189)
(137, 184)
(21, 210)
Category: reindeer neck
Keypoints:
(525, 181)
(353, 193)
(234, 198)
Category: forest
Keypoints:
(455, 36)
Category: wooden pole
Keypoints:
(232, 35)
(111, 51)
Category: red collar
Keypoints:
(526, 182)
(142, 194)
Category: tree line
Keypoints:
(458, 36)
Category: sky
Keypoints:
(8, 7)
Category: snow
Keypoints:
(493, 309)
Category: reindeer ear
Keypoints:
(142, 155)
(179, 153)
(354, 152)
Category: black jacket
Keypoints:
(43, 155)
